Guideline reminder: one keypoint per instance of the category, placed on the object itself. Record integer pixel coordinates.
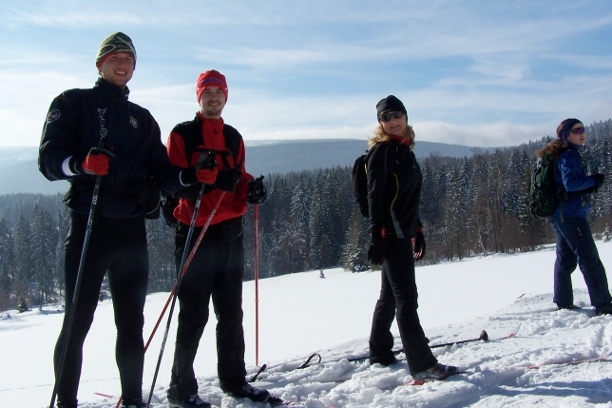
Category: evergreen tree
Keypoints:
(23, 258)
(355, 250)
(43, 243)
(61, 230)
(160, 243)
(6, 265)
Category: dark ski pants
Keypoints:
(119, 247)
(215, 271)
(398, 298)
(575, 247)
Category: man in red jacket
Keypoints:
(217, 267)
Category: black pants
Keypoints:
(216, 270)
(119, 247)
(398, 297)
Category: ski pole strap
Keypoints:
(307, 362)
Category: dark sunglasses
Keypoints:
(579, 130)
(388, 116)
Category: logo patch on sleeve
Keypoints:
(134, 122)
(53, 115)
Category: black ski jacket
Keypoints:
(76, 121)
(394, 188)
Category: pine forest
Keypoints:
(473, 206)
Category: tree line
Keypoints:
(469, 206)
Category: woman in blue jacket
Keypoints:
(575, 245)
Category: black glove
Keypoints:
(168, 204)
(227, 179)
(256, 191)
(378, 246)
(419, 245)
(377, 251)
(205, 170)
(598, 179)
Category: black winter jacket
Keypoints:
(394, 188)
(75, 123)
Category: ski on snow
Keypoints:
(572, 361)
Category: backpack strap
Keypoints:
(191, 132)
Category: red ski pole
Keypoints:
(256, 277)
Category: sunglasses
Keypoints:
(388, 116)
(579, 130)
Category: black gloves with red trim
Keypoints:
(378, 246)
(256, 191)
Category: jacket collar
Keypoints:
(574, 147)
(112, 90)
(399, 139)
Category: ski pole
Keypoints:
(183, 267)
(256, 277)
(483, 336)
(77, 285)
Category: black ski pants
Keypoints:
(215, 271)
(398, 298)
(119, 247)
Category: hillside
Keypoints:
(19, 169)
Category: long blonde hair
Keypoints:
(380, 136)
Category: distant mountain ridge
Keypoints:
(19, 168)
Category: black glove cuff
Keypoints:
(102, 150)
(188, 176)
(377, 231)
(75, 165)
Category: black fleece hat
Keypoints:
(390, 104)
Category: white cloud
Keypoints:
(464, 70)
(488, 135)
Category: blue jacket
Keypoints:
(572, 176)
(76, 120)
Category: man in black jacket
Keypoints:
(91, 133)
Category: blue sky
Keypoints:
(476, 73)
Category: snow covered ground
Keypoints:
(301, 314)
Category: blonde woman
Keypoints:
(394, 188)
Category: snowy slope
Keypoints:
(301, 314)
